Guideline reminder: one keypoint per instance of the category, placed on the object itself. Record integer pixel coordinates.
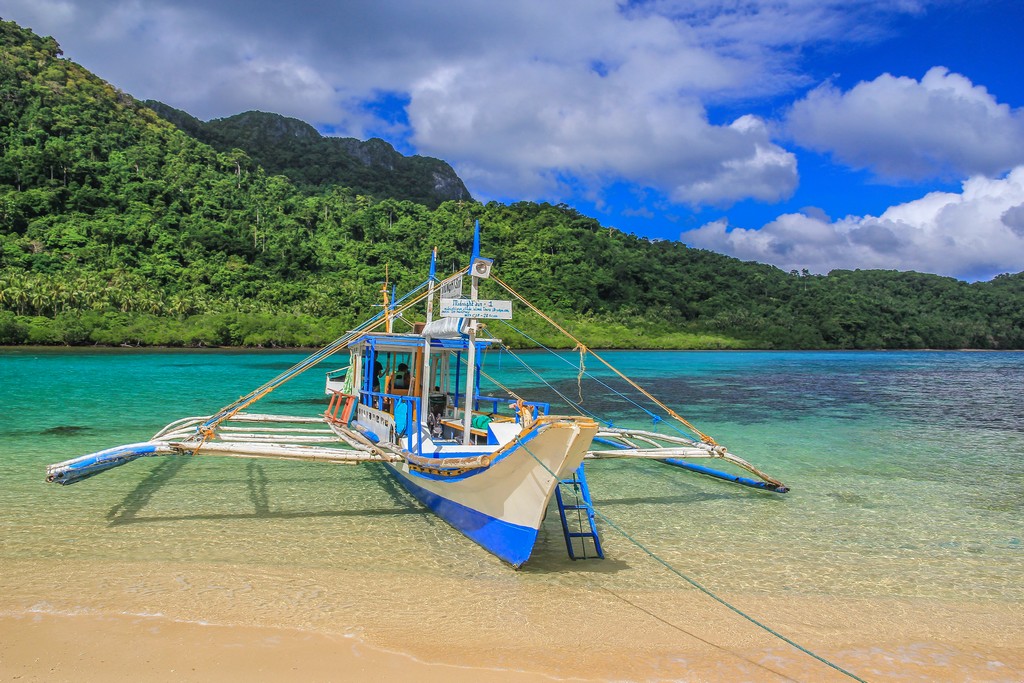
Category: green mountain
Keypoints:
(292, 148)
(118, 227)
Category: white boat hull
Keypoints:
(501, 507)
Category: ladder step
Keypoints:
(582, 494)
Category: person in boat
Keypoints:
(378, 370)
(401, 380)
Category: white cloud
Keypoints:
(521, 97)
(754, 24)
(762, 170)
(975, 234)
(593, 128)
(900, 128)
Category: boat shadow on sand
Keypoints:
(127, 510)
(549, 557)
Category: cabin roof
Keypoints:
(395, 341)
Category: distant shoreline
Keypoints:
(45, 348)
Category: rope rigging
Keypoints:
(654, 417)
(583, 347)
(226, 413)
(396, 308)
(548, 384)
(520, 399)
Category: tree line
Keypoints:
(118, 227)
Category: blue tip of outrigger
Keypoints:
(726, 476)
(77, 469)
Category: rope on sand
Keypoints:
(706, 591)
(722, 601)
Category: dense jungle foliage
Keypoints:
(118, 227)
(292, 148)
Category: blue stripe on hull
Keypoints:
(511, 542)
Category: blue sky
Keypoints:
(815, 134)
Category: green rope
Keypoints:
(697, 585)
(711, 595)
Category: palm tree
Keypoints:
(180, 305)
(87, 290)
(124, 299)
(151, 303)
(17, 296)
(37, 299)
(60, 295)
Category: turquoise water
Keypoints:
(906, 470)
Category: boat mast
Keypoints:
(425, 393)
(474, 292)
(387, 302)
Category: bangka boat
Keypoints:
(411, 401)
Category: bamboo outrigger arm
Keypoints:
(291, 438)
(282, 451)
(674, 450)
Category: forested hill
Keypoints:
(118, 227)
(289, 147)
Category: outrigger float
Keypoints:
(411, 401)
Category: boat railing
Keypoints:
(406, 411)
(375, 399)
(338, 374)
(538, 407)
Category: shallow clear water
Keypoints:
(906, 470)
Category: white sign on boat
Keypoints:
(452, 289)
(478, 308)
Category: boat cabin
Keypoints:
(410, 390)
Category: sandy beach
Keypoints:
(95, 649)
(634, 636)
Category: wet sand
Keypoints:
(878, 642)
(99, 649)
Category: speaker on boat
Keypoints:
(481, 267)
